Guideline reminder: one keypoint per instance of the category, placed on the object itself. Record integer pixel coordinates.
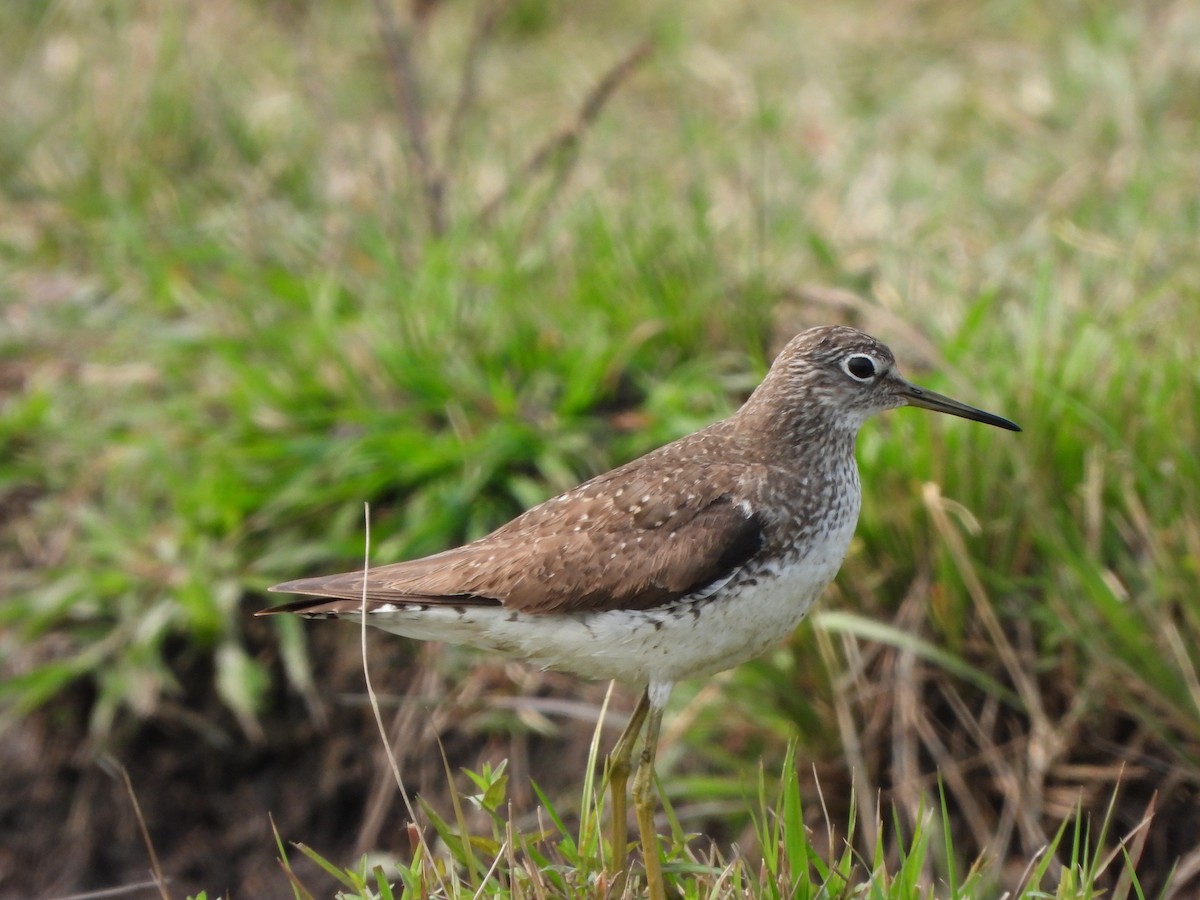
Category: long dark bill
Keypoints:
(918, 396)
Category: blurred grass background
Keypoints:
(230, 312)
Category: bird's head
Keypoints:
(850, 376)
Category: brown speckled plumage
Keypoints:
(688, 561)
(769, 495)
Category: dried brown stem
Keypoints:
(562, 146)
(397, 44)
(410, 719)
(160, 880)
(468, 88)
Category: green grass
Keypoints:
(224, 323)
(554, 860)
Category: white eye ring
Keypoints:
(860, 367)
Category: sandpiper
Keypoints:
(682, 563)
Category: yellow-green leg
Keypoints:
(644, 803)
(617, 768)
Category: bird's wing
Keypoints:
(634, 538)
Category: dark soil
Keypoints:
(208, 793)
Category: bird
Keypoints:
(682, 563)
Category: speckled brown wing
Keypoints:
(634, 538)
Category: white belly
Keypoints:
(690, 638)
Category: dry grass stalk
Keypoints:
(562, 146)
(402, 66)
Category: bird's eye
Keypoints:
(859, 367)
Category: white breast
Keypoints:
(690, 638)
